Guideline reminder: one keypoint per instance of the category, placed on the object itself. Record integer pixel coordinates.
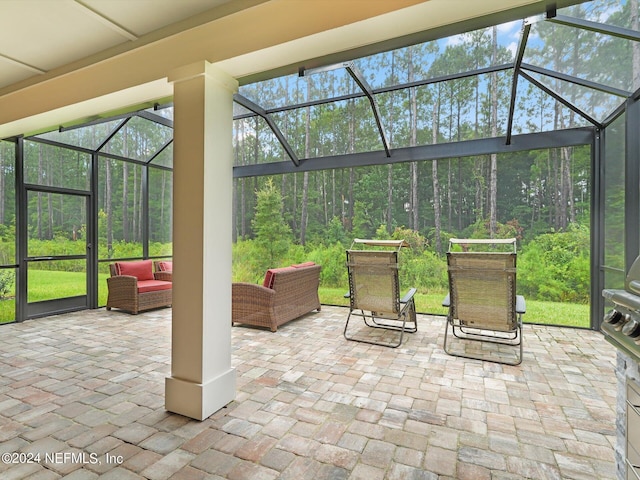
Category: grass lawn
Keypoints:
(52, 284)
(47, 284)
(548, 313)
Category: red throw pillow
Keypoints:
(270, 276)
(142, 270)
(165, 266)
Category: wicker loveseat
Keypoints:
(134, 287)
(286, 294)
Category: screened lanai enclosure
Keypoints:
(74, 200)
(526, 129)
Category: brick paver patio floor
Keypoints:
(81, 397)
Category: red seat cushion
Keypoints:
(165, 266)
(142, 270)
(270, 276)
(145, 286)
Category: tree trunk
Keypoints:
(108, 204)
(49, 168)
(493, 174)
(352, 173)
(305, 177)
(163, 187)
(436, 184)
(389, 211)
(125, 202)
(134, 217)
(140, 209)
(414, 165)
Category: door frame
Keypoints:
(64, 304)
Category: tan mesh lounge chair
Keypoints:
(374, 293)
(482, 301)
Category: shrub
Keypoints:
(556, 266)
(7, 281)
(427, 271)
(332, 259)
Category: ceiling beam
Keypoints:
(110, 24)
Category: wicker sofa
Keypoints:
(133, 286)
(286, 294)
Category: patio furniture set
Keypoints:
(482, 302)
(139, 285)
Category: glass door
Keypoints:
(57, 251)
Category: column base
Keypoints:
(198, 400)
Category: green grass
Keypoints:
(548, 313)
(49, 284)
(52, 284)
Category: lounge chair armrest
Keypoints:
(409, 295)
(521, 306)
(447, 301)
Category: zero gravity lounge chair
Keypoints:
(482, 301)
(374, 294)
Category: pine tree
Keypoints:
(273, 235)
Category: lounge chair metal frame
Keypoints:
(482, 299)
(374, 290)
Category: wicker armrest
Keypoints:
(164, 276)
(251, 293)
(253, 304)
(123, 281)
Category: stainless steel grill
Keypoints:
(621, 325)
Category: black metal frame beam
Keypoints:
(560, 99)
(486, 146)
(152, 117)
(526, 28)
(113, 133)
(101, 154)
(21, 233)
(143, 113)
(261, 112)
(392, 88)
(613, 30)
(596, 216)
(366, 88)
(578, 81)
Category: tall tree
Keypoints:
(437, 217)
(305, 176)
(273, 235)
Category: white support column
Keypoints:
(202, 380)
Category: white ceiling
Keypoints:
(37, 36)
